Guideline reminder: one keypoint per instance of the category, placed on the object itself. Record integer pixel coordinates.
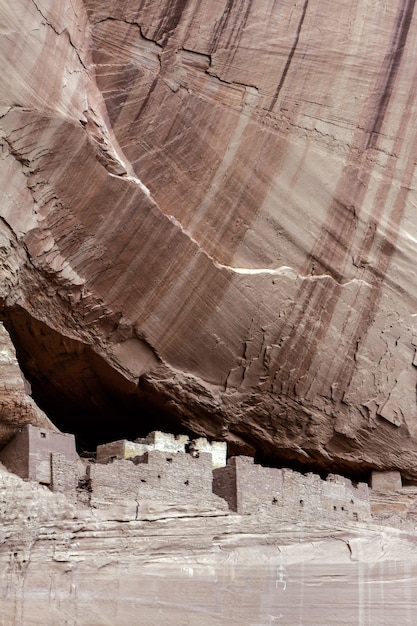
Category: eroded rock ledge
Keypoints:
(207, 215)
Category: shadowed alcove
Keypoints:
(80, 392)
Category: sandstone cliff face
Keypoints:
(17, 408)
(63, 566)
(207, 216)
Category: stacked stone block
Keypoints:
(176, 471)
(64, 476)
(28, 454)
(172, 477)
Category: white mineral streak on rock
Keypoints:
(134, 180)
(284, 270)
(218, 198)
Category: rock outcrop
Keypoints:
(17, 408)
(207, 218)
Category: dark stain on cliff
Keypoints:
(391, 65)
(290, 56)
(231, 25)
(172, 18)
(222, 25)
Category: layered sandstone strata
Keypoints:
(208, 218)
(17, 408)
(177, 567)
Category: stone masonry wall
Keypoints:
(64, 475)
(28, 454)
(15, 455)
(182, 477)
(289, 495)
(224, 485)
(156, 475)
(163, 442)
(42, 443)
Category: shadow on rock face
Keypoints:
(80, 392)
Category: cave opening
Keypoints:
(83, 394)
(80, 392)
(286, 458)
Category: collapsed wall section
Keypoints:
(164, 442)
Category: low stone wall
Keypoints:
(163, 442)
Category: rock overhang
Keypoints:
(254, 280)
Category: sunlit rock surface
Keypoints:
(59, 565)
(208, 213)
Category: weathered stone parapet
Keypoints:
(217, 449)
(245, 485)
(166, 442)
(163, 442)
(156, 475)
(386, 481)
(390, 499)
(120, 449)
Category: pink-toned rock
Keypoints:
(386, 481)
(209, 215)
(16, 405)
(176, 568)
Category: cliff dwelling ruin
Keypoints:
(126, 477)
(208, 316)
